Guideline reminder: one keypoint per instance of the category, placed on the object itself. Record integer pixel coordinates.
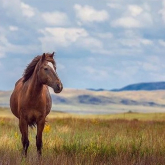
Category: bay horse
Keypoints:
(30, 101)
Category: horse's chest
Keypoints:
(41, 101)
(37, 104)
(33, 108)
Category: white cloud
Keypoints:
(6, 46)
(27, 10)
(65, 36)
(135, 42)
(135, 10)
(146, 41)
(55, 18)
(13, 28)
(127, 22)
(152, 63)
(6, 4)
(134, 17)
(17, 10)
(129, 42)
(89, 14)
(162, 11)
(162, 43)
(55, 37)
(134, 37)
(114, 5)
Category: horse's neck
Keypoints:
(35, 87)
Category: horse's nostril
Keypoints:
(58, 87)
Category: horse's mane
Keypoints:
(30, 68)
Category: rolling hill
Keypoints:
(148, 86)
(143, 86)
(102, 102)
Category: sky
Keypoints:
(99, 44)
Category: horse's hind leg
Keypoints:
(40, 127)
(24, 131)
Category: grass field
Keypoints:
(122, 139)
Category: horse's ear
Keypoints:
(43, 57)
(52, 55)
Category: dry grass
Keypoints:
(122, 139)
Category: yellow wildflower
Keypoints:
(47, 128)
(16, 135)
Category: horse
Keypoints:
(30, 100)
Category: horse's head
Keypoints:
(47, 72)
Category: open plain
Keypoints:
(129, 138)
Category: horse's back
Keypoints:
(14, 98)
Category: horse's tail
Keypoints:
(32, 125)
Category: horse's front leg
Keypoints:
(40, 127)
(24, 131)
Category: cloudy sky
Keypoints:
(104, 44)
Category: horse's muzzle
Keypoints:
(58, 88)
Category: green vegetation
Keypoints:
(70, 139)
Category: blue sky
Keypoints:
(108, 44)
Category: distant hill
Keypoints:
(147, 86)
(134, 99)
(150, 86)
(92, 89)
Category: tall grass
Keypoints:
(72, 140)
